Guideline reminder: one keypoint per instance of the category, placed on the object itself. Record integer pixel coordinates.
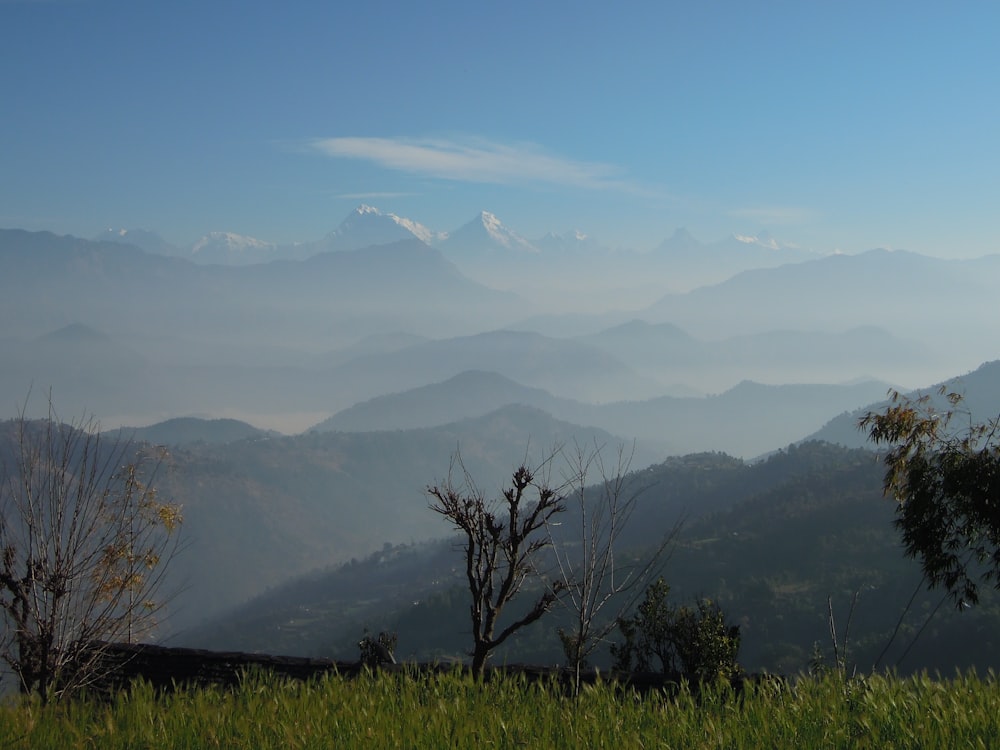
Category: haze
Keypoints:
(674, 200)
(372, 232)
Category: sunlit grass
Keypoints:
(450, 710)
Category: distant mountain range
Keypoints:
(48, 282)
(484, 239)
(671, 355)
(285, 344)
(485, 234)
(746, 421)
(384, 346)
(259, 508)
(192, 431)
(979, 388)
(572, 368)
(366, 226)
(879, 287)
(948, 306)
(768, 541)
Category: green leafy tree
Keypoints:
(943, 469)
(694, 641)
(706, 646)
(378, 649)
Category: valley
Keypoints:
(309, 395)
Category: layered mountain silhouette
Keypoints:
(980, 391)
(747, 420)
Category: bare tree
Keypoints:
(501, 540)
(84, 542)
(599, 586)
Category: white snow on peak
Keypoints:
(763, 241)
(494, 228)
(230, 241)
(501, 235)
(419, 230)
(490, 220)
(369, 214)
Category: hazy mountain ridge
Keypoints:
(666, 352)
(692, 485)
(263, 509)
(49, 281)
(143, 239)
(229, 248)
(185, 431)
(748, 420)
(267, 508)
(979, 388)
(816, 504)
(270, 343)
(575, 369)
(471, 393)
(878, 287)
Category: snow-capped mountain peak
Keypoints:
(230, 241)
(490, 221)
(231, 249)
(486, 233)
(367, 225)
(762, 239)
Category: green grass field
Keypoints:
(451, 711)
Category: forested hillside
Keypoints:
(771, 542)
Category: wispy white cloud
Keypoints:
(776, 215)
(477, 160)
(372, 196)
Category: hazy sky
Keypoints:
(844, 125)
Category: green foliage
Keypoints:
(694, 641)
(946, 480)
(378, 649)
(707, 647)
(450, 710)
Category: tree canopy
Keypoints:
(943, 469)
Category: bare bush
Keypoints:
(84, 542)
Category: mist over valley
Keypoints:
(309, 394)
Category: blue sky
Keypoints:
(832, 125)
